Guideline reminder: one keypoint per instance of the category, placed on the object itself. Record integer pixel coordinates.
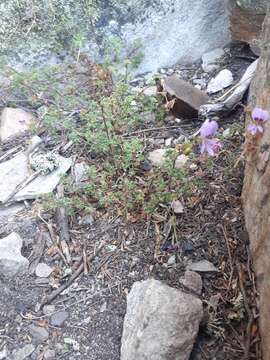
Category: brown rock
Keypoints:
(14, 122)
(256, 191)
(188, 99)
(246, 25)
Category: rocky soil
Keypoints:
(195, 247)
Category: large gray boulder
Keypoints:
(165, 31)
(161, 323)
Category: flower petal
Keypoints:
(252, 129)
(259, 114)
(208, 128)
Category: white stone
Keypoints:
(16, 170)
(43, 270)
(181, 161)
(160, 320)
(177, 207)
(168, 142)
(171, 260)
(210, 59)
(150, 91)
(12, 173)
(12, 262)
(14, 122)
(210, 68)
(157, 157)
(220, 82)
(226, 133)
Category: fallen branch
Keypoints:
(20, 186)
(62, 221)
(75, 275)
(236, 94)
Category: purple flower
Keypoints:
(259, 115)
(210, 146)
(208, 128)
(254, 128)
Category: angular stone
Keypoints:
(12, 262)
(161, 322)
(49, 354)
(192, 281)
(256, 191)
(202, 266)
(14, 122)
(210, 59)
(15, 171)
(39, 334)
(43, 270)
(157, 157)
(181, 161)
(58, 318)
(23, 353)
(223, 79)
(188, 99)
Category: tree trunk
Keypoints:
(256, 191)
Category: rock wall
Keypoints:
(167, 31)
(256, 191)
(246, 19)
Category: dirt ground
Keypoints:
(210, 228)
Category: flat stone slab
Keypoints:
(14, 121)
(12, 262)
(202, 266)
(15, 171)
(188, 99)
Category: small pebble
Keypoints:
(171, 260)
(39, 334)
(57, 319)
(49, 355)
(48, 309)
(43, 270)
